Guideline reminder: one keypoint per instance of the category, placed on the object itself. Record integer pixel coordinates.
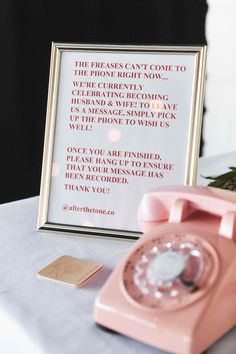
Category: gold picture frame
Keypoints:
(179, 74)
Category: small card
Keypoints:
(70, 271)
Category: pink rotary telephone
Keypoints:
(176, 288)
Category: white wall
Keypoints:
(220, 119)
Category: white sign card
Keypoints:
(121, 121)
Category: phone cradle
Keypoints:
(176, 288)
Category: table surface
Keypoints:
(44, 317)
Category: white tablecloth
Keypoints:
(42, 317)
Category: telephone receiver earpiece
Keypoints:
(177, 203)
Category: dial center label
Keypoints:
(166, 267)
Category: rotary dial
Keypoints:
(170, 271)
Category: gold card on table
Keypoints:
(71, 271)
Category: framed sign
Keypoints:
(121, 120)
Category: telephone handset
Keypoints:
(176, 289)
(177, 202)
